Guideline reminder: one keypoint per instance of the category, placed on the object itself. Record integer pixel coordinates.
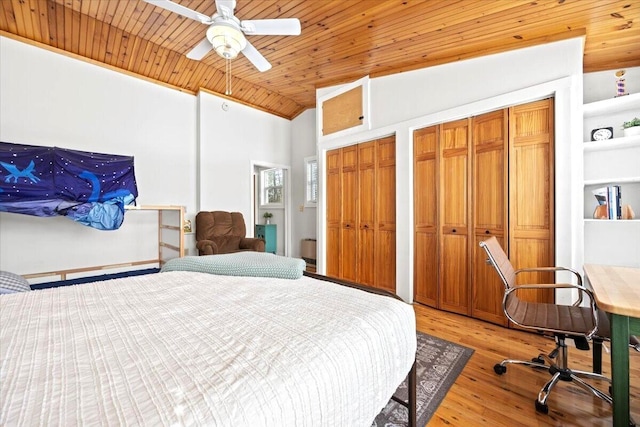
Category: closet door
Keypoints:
(366, 212)
(531, 193)
(385, 211)
(455, 200)
(334, 212)
(425, 205)
(490, 191)
(349, 202)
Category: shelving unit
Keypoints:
(612, 162)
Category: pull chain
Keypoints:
(228, 77)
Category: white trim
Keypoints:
(307, 203)
(287, 203)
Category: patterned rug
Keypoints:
(439, 363)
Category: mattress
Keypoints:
(186, 348)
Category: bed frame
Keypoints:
(411, 377)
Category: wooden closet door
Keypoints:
(454, 200)
(385, 211)
(366, 212)
(349, 202)
(425, 205)
(334, 212)
(490, 211)
(531, 193)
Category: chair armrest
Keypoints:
(533, 269)
(549, 269)
(253, 244)
(206, 247)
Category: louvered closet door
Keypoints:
(454, 199)
(490, 190)
(366, 212)
(531, 193)
(348, 231)
(385, 211)
(334, 212)
(425, 196)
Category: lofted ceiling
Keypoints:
(341, 40)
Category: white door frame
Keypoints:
(257, 164)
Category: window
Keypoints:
(311, 188)
(272, 192)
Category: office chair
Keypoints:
(562, 321)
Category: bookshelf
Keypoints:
(612, 162)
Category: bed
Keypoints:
(191, 348)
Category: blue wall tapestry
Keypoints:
(90, 188)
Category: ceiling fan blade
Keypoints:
(181, 10)
(225, 8)
(272, 27)
(200, 50)
(256, 58)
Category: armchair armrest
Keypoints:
(253, 244)
(206, 247)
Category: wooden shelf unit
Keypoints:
(160, 260)
(165, 214)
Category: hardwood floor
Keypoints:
(479, 397)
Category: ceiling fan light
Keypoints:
(226, 40)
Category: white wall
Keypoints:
(602, 84)
(53, 100)
(403, 102)
(231, 142)
(303, 144)
(188, 151)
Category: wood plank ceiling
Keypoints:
(341, 41)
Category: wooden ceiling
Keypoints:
(341, 41)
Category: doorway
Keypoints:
(271, 194)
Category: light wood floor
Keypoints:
(480, 397)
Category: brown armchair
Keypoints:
(221, 232)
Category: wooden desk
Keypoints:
(617, 291)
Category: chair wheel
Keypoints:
(542, 408)
(539, 360)
(499, 369)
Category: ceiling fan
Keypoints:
(226, 33)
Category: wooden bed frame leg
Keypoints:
(412, 396)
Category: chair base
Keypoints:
(556, 364)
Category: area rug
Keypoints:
(439, 362)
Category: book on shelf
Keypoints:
(609, 202)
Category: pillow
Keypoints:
(11, 283)
(254, 264)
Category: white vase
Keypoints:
(632, 131)
(267, 221)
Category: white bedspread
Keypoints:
(184, 348)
